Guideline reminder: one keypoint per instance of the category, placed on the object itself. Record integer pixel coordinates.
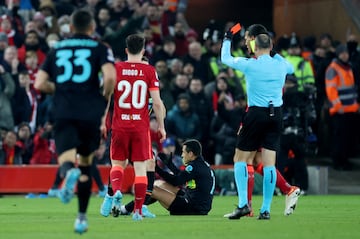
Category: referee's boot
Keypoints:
(240, 212)
(264, 216)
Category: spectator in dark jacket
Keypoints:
(10, 153)
(182, 122)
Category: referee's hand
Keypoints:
(228, 35)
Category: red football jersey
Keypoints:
(131, 95)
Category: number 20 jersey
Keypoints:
(74, 66)
(131, 96)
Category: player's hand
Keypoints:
(163, 134)
(103, 129)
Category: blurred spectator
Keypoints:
(38, 23)
(64, 27)
(322, 57)
(163, 73)
(25, 142)
(3, 43)
(297, 113)
(191, 36)
(66, 7)
(29, 99)
(119, 11)
(33, 43)
(26, 10)
(182, 122)
(103, 27)
(7, 90)
(224, 127)
(166, 52)
(188, 70)
(47, 8)
(165, 83)
(153, 21)
(92, 5)
(354, 58)
(12, 65)
(203, 108)
(175, 67)
(180, 85)
(44, 146)
(6, 26)
(341, 93)
(150, 45)
(309, 46)
(221, 93)
(181, 39)
(303, 70)
(52, 39)
(10, 153)
(117, 39)
(195, 57)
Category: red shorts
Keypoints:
(135, 146)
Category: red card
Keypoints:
(236, 28)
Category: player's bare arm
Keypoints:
(109, 76)
(43, 83)
(160, 112)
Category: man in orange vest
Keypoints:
(343, 108)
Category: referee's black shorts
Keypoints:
(80, 134)
(259, 129)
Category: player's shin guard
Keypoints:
(84, 188)
(116, 175)
(251, 183)
(140, 185)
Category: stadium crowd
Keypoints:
(205, 100)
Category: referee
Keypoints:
(262, 125)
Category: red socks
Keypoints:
(140, 185)
(281, 183)
(116, 175)
(251, 182)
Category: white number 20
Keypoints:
(138, 93)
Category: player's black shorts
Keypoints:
(259, 129)
(182, 206)
(79, 134)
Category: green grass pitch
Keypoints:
(317, 217)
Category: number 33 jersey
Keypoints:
(131, 95)
(74, 65)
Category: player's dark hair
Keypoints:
(256, 29)
(193, 145)
(135, 43)
(263, 41)
(81, 20)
